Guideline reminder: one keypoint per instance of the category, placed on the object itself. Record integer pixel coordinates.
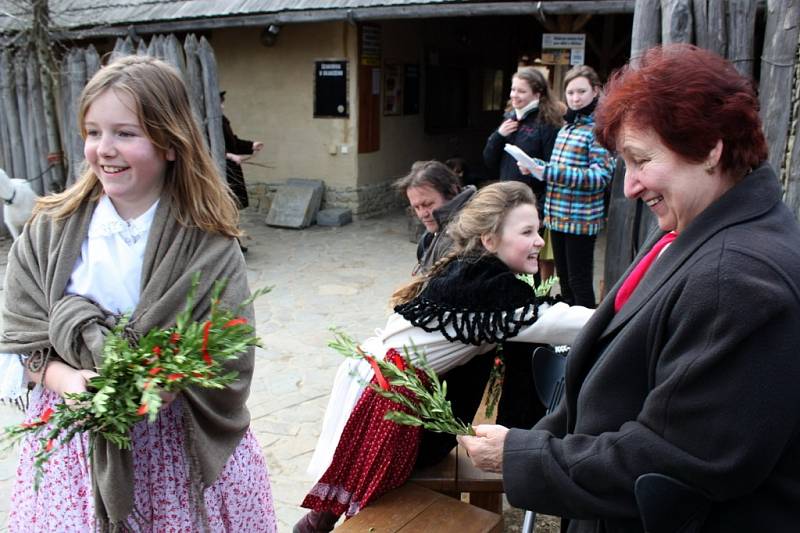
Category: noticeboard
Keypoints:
(330, 89)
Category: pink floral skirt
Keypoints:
(240, 499)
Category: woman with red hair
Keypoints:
(689, 367)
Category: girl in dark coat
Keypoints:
(532, 125)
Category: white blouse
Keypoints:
(108, 272)
(557, 325)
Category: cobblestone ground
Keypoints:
(322, 277)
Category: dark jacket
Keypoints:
(696, 378)
(533, 137)
(465, 383)
(233, 171)
(434, 246)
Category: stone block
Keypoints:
(334, 216)
(296, 204)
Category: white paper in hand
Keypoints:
(531, 163)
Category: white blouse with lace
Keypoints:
(108, 272)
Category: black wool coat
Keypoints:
(534, 137)
(697, 377)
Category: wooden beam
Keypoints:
(646, 31)
(710, 26)
(777, 76)
(741, 29)
(676, 21)
(545, 8)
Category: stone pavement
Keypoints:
(322, 277)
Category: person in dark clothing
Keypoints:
(436, 196)
(532, 125)
(688, 367)
(236, 152)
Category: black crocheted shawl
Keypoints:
(473, 301)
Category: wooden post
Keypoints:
(47, 117)
(710, 26)
(16, 168)
(213, 105)
(5, 140)
(792, 187)
(741, 34)
(92, 60)
(38, 124)
(123, 47)
(77, 81)
(777, 75)
(676, 21)
(194, 80)
(646, 31)
(152, 47)
(25, 117)
(173, 51)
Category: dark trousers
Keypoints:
(574, 255)
(519, 406)
(465, 387)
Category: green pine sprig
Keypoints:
(427, 405)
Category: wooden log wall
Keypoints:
(195, 61)
(727, 27)
(793, 173)
(777, 74)
(24, 136)
(32, 138)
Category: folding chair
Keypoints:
(667, 505)
(548, 365)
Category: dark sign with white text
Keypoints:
(330, 89)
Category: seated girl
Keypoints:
(468, 303)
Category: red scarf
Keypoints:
(638, 272)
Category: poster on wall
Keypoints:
(392, 89)
(330, 89)
(563, 48)
(371, 45)
(411, 90)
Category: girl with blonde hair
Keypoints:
(470, 302)
(149, 211)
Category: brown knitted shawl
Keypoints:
(39, 317)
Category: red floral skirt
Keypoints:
(373, 456)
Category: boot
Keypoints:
(316, 522)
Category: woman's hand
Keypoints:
(257, 146)
(167, 398)
(538, 170)
(63, 379)
(508, 127)
(486, 447)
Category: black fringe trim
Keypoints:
(469, 327)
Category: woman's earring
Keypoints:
(709, 168)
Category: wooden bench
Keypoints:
(456, 474)
(413, 508)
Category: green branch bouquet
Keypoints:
(133, 376)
